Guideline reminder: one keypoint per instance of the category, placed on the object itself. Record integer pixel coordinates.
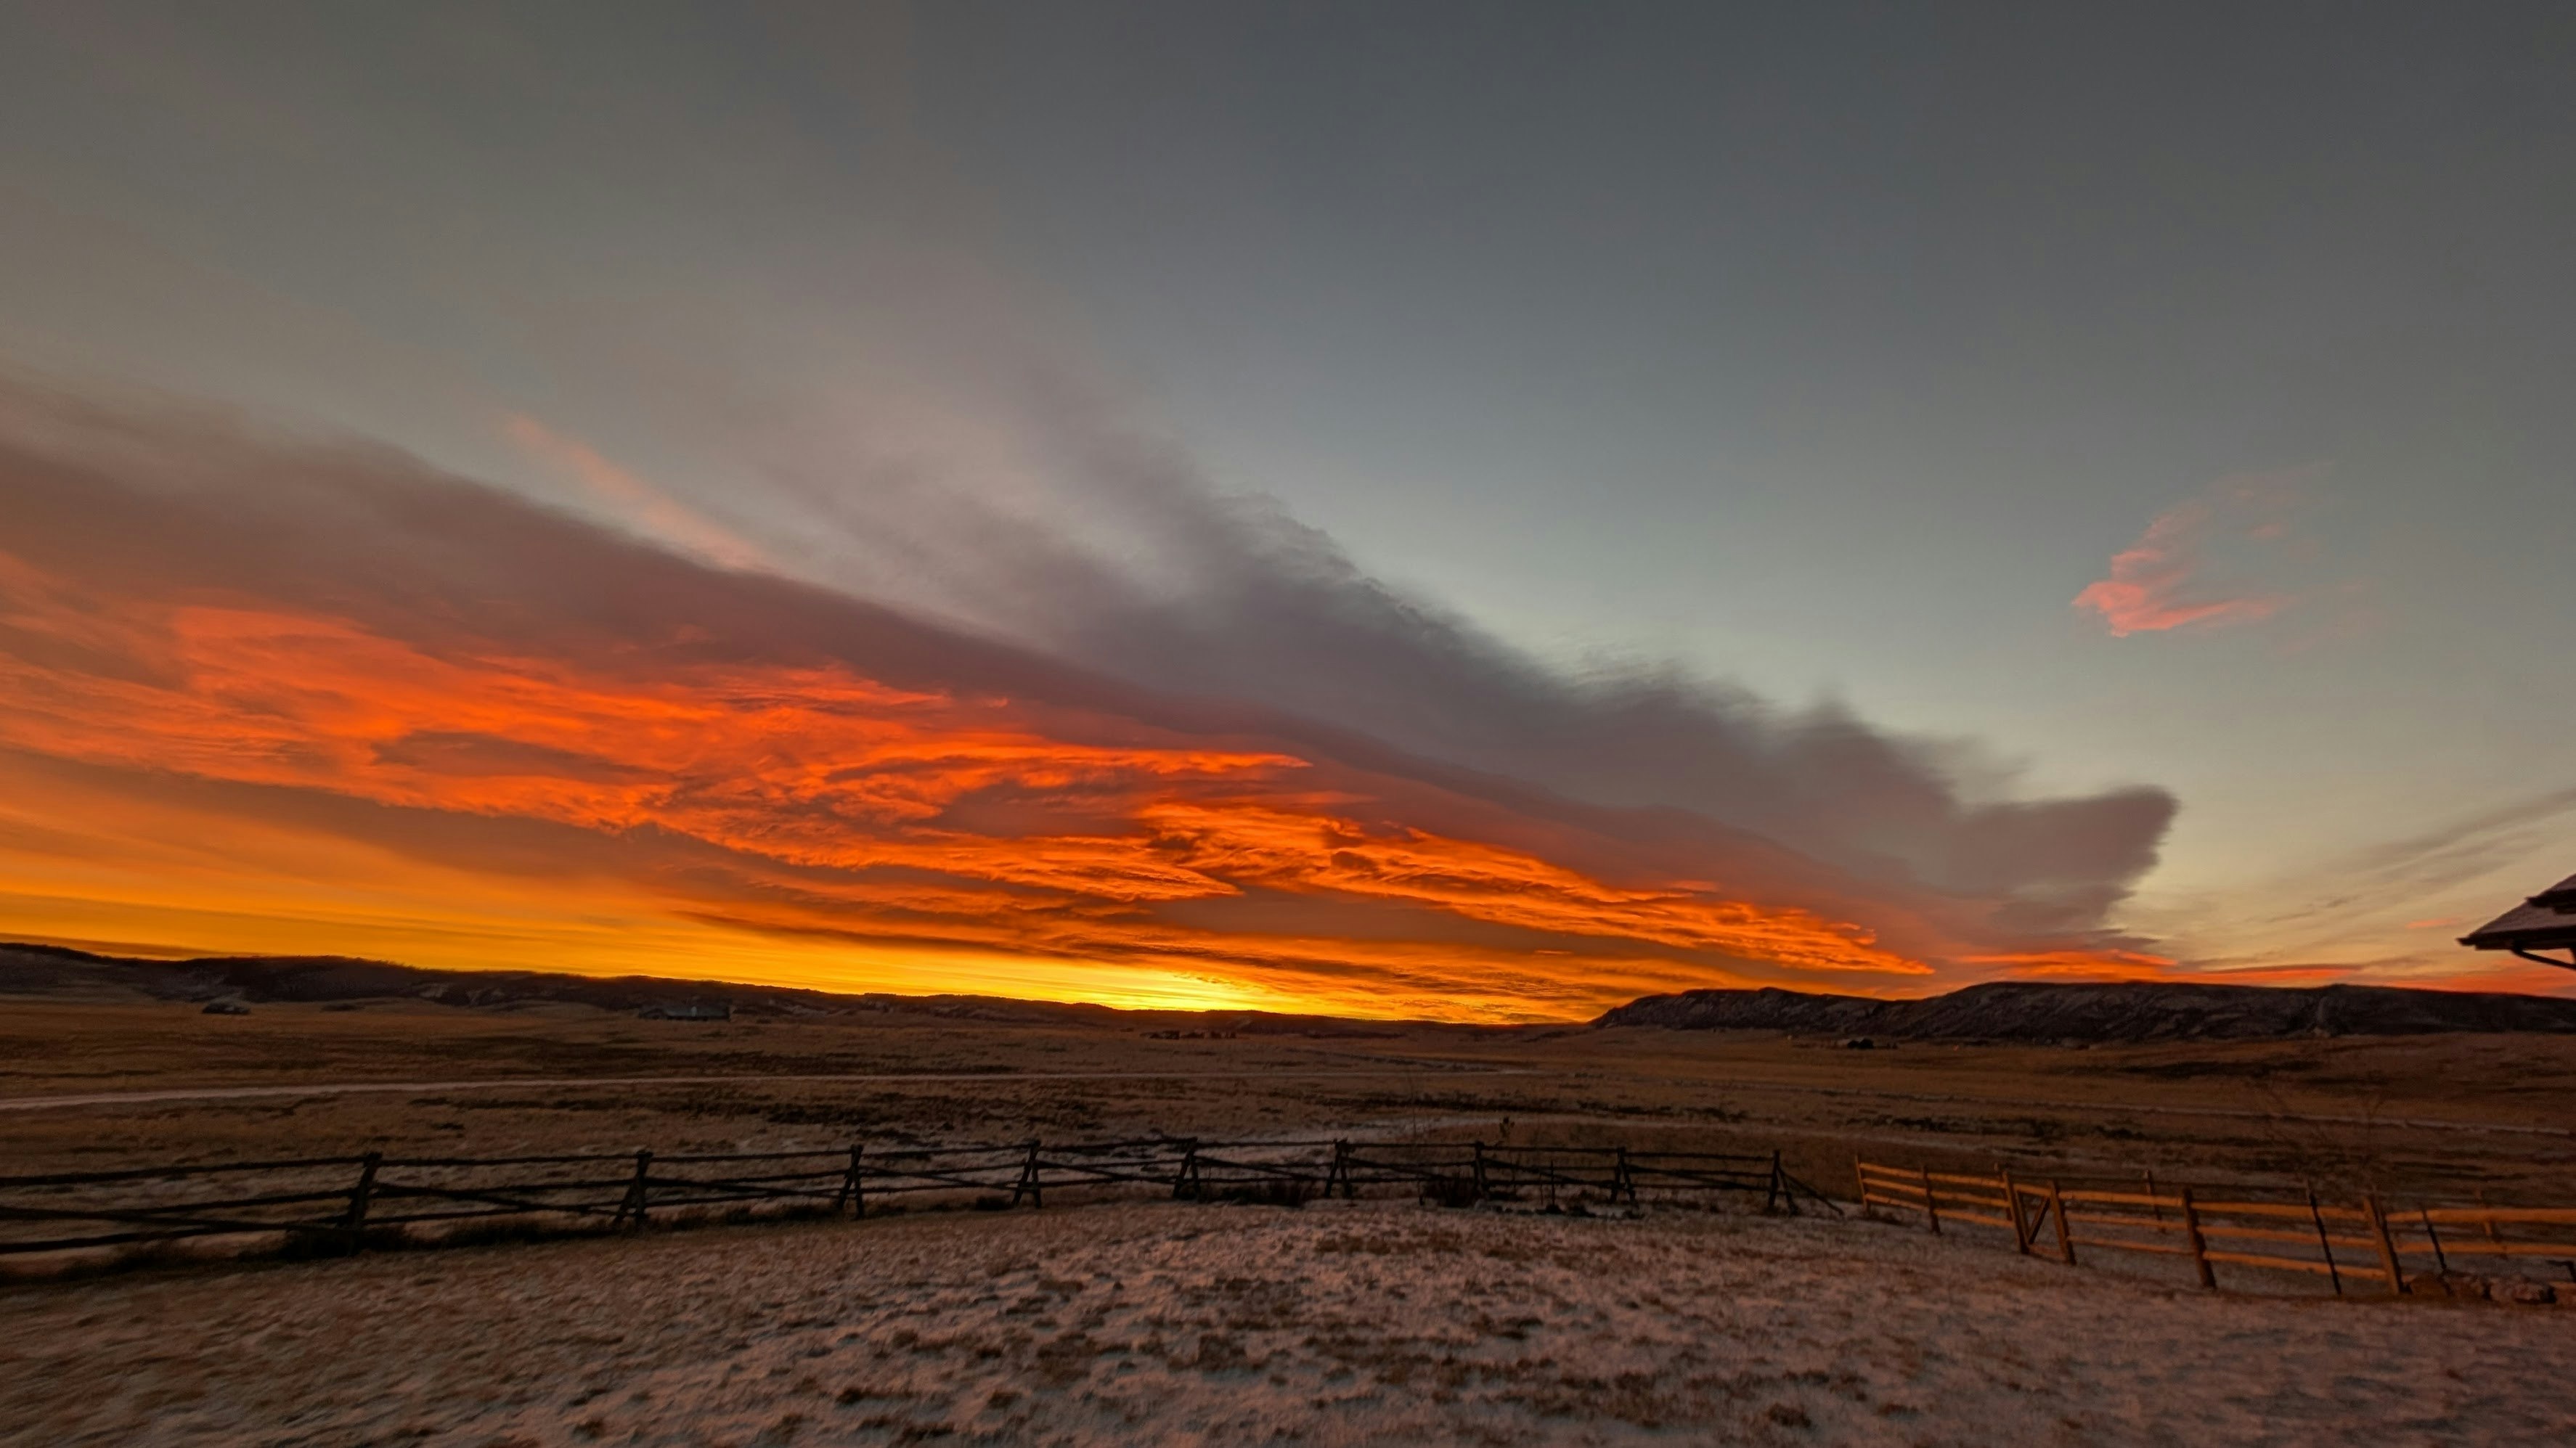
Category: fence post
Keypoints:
(1860, 1185)
(2154, 1208)
(354, 1220)
(636, 1192)
(2325, 1243)
(1772, 1190)
(1339, 1173)
(1624, 1179)
(854, 1186)
(2191, 1236)
(2441, 1263)
(2065, 1237)
(1931, 1209)
(2487, 1209)
(2387, 1245)
(1480, 1171)
(1185, 1182)
(2012, 1208)
(1028, 1184)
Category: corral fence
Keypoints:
(2366, 1243)
(330, 1204)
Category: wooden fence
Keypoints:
(344, 1203)
(2364, 1242)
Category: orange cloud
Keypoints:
(2285, 975)
(2089, 965)
(869, 787)
(2507, 979)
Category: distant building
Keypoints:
(226, 1008)
(690, 1011)
(2546, 921)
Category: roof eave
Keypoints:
(2547, 938)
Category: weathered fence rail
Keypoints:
(347, 1202)
(2394, 1250)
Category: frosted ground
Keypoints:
(1340, 1323)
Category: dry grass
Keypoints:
(2353, 1114)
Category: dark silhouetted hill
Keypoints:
(54, 970)
(2004, 1011)
(2142, 1011)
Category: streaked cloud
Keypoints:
(649, 509)
(2359, 914)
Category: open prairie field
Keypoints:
(1376, 1320)
(2444, 1115)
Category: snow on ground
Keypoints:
(1340, 1323)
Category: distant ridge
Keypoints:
(58, 970)
(2141, 1011)
(2002, 1011)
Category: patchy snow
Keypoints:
(1341, 1323)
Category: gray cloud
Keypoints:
(1226, 597)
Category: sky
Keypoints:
(1464, 510)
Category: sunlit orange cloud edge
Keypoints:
(817, 769)
(812, 769)
(272, 890)
(149, 876)
(124, 882)
(241, 886)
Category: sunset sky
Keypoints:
(1477, 511)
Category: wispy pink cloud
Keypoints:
(2162, 581)
(644, 505)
